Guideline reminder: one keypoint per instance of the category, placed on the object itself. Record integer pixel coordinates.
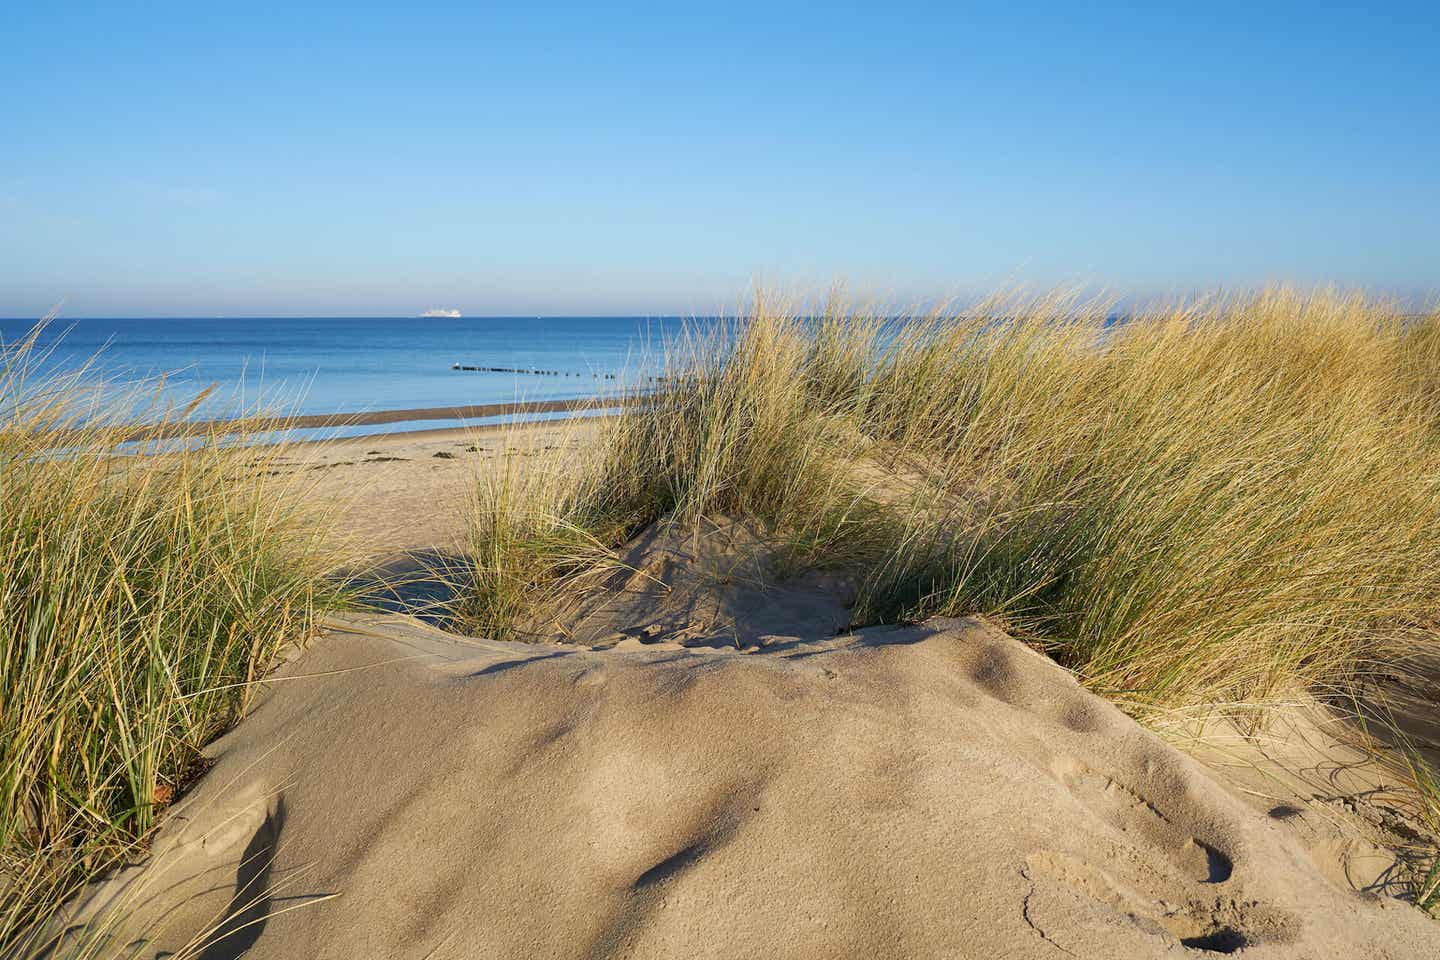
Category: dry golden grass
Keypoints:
(140, 597)
(1214, 502)
(1207, 506)
(534, 541)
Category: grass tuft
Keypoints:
(144, 586)
(1211, 504)
(1423, 862)
(535, 540)
(1214, 502)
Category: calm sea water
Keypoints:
(357, 365)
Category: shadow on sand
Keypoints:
(423, 584)
(250, 905)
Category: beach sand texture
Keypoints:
(931, 791)
(388, 495)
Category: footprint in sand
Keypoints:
(1136, 817)
(1207, 926)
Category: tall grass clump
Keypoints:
(536, 538)
(1214, 502)
(1218, 502)
(145, 585)
(746, 422)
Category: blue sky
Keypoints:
(350, 159)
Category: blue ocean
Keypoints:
(358, 365)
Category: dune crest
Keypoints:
(929, 791)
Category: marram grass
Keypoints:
(1212, 503)
(1209, 506)
(140, 598)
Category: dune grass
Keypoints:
(140, 597)
(1216, 502)
(735, 431)
(1425, 875)
(1212, 506)
(536, 537)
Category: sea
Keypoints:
(358, 365)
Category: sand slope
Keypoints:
(934, 791)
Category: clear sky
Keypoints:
(350, 159)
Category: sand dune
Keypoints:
(714, 770)
(932, 791)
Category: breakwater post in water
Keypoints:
(541, 373)
(528, 370)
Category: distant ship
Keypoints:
(451, 313)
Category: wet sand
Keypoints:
(379, 417)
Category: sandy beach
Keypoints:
(404, 492)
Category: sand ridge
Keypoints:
(930, 791)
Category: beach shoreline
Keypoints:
(519, 410)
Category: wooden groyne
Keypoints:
(532, 371)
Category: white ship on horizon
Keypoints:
(449, 313)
